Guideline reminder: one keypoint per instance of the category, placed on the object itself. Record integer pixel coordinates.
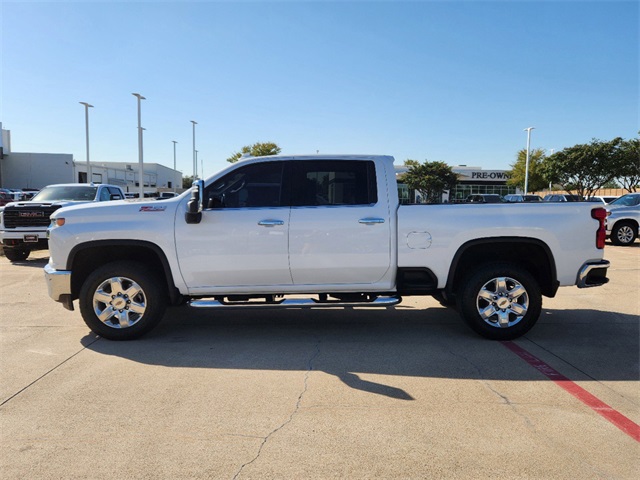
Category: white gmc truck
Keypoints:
(315, 231)
(23, 225)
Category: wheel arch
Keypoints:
(627, 220)
(532, 254)
(86, 257)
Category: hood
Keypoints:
(116, 208)
(61, 203)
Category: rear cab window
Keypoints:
(333, 182)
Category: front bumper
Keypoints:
(24, 238)
(59, 285)
(593, 274)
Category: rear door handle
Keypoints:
(371, 220)
(270, 223)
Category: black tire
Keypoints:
(445, 299)
(16, 254)
(624, 234)
(503, 291)
(128, 295)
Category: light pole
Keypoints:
(551, 150)
(86, 127)
(174, 164)
(526, 168)
(195, 163)
(140, 163)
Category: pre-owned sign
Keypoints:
(488, 175)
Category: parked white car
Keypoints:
(606, 199)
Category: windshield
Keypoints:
(69, 192)
(627, 200)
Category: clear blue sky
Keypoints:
(451, 81)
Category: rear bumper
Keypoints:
(59, 285)
(593, 274)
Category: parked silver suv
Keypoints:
(624, 219)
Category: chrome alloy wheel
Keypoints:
(502, 302)
(625, 234)
(119, 302)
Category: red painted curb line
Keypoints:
(625, 424)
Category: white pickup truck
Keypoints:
(23, 225)
(314, 231)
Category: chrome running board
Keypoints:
(297, 303)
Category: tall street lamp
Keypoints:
(526, 168)
(551, 150)
(86, 127)
(140, 164)
(195, 164)
(174, 164)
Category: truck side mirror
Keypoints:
(194, 206)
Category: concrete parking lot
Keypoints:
(405, 392)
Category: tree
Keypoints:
(518, 170)
(629, 168)
(411, 163)
(259, 149)
(431, 179)
(585, 168)
(187, 182)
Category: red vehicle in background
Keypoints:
(5, 198)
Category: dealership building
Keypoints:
(37, 170)
(471, 181)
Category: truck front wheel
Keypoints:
(122, 300)
(15, 254)
(500, 301)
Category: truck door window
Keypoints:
(105, 195)
(258, 185)
(329, 182)
(114, 194)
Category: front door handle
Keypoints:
(270, 223)
(371, 220)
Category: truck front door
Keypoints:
(242, 239)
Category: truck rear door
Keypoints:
(340, 231)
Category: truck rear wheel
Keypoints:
(500, 301)
(122, 300)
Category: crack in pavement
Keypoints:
(504, 398)
(290, 419)
(47, 373)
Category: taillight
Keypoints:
(601, 234)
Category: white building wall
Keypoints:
(156, 177)
(36, 170)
